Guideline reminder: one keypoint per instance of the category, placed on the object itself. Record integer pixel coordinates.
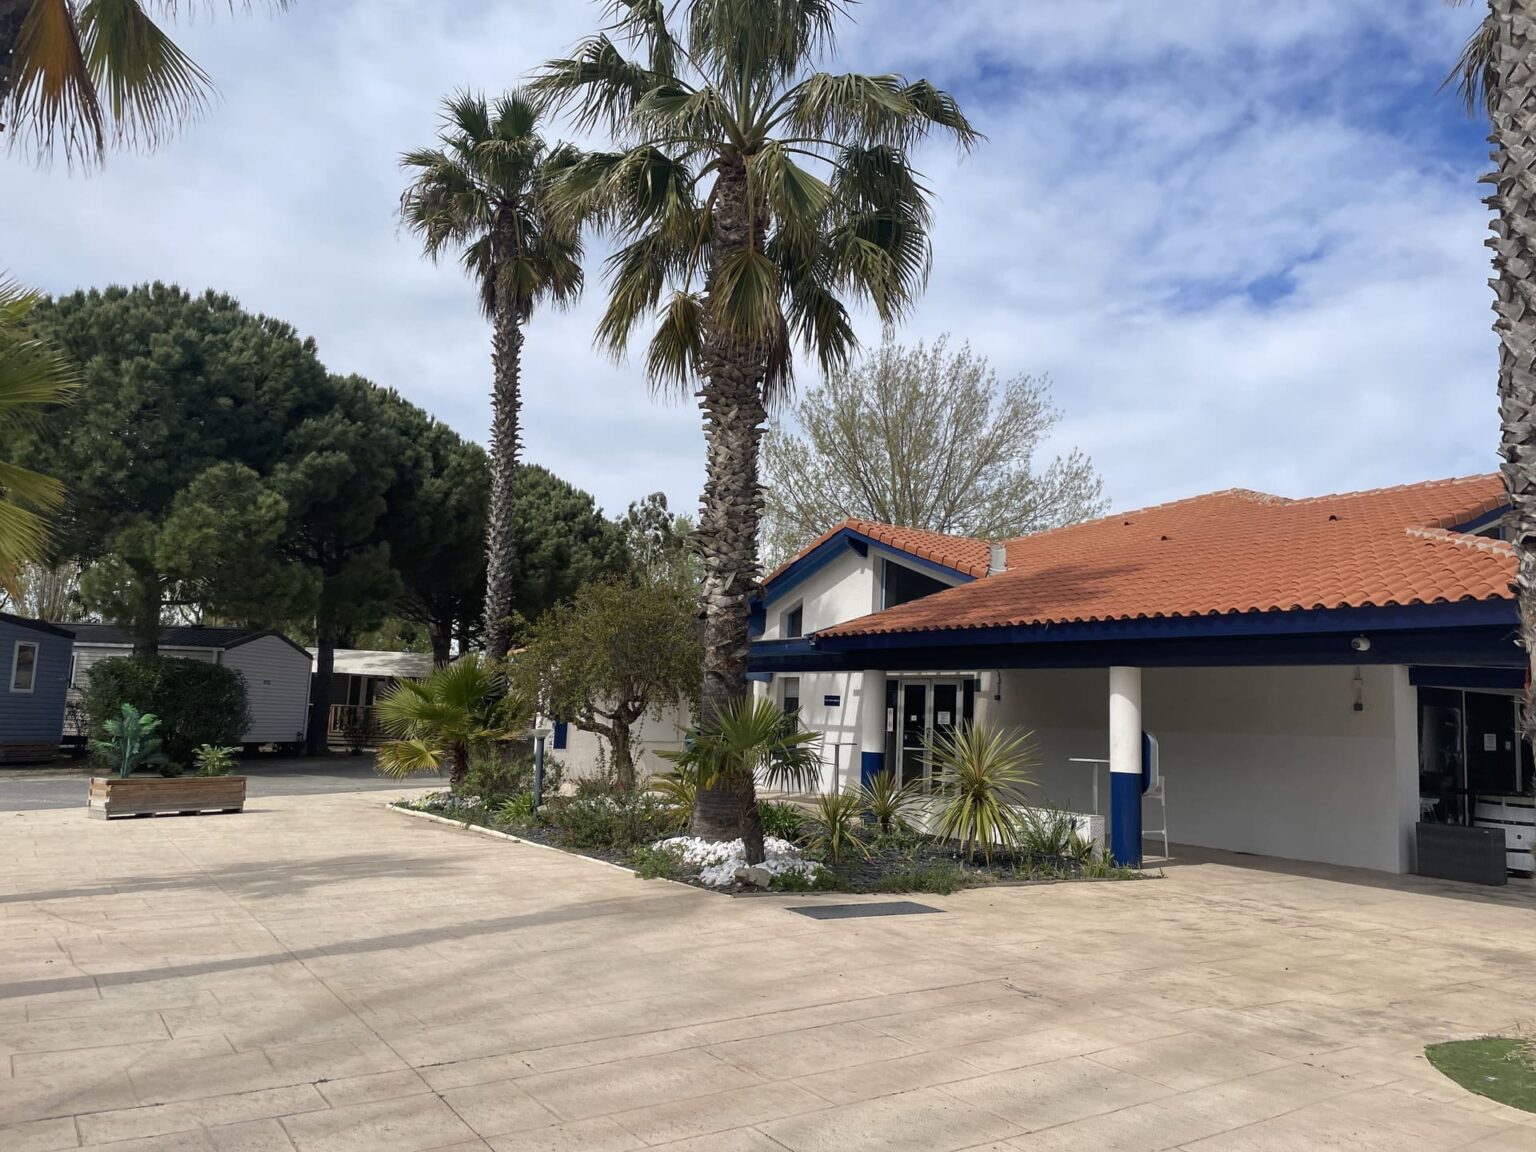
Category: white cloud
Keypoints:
(1146, 163)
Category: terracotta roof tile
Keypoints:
(1227, 552)
(962, 553)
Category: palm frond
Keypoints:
(675, 347)
(1475, 76)
(150, 85)
(398, 759)
(52, 97)
(744, 297)
(598, 85)
(767, 39)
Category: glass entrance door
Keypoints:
(914, 730)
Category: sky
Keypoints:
(1243, 239)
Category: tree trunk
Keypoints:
(623, 754)
(731, 506)
(1512, 111)
(459, 768)
(500, 545)
(146, 616)
(317, 739)
(441, 632)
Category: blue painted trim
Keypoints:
(1147, 756)
(871, 764)
(760, 677)
(1442, 677)
(1461, 614)
(1484, 520)
(833, 547)
(561, 733)
(1125, 818)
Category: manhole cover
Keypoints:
(853, 911)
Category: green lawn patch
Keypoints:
(1494, 1066)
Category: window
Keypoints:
(562, 734)
(790, 697)
(902, 585)
(794, 622)
(24, 666)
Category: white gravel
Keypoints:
(717, 860)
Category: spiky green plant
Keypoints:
(212, 760)
(752, 195)
(677, 791)
(77, 71)
(834, 826)
(484, 193)
(746, 740)
(435, 721)
(33, 376)
(979, 775)
(890, 802)
(131, 741)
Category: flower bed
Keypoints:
(633, 830)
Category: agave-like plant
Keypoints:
(890, 802)
(212, 760)
(835, 826)
(749, 739)
(131, 742)
(435, 721)
(979, 773)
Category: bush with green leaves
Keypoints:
(677, 792)
(938, 877)
(129, 742)
(213, 760)
(656, 861)
(1045, 832)
(890, 803)
(516, 810)
(980, 773)
(781, 820)
(613, 819)
(197, 703)
(834, 827)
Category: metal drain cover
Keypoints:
(854, 911)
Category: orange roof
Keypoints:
(1230, 552)
(962, 553)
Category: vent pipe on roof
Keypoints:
(997, 559)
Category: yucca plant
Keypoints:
(752, 198)
(749, 739)
(979, 772)
(212, 760)
(834, 826)
(889, 802)
(435, 721)
(131, 741)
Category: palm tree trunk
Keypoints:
(729, 512)
(1512, 111)
(500, 542)
(459, 769)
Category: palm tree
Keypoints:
(33, 376)
(743, 740)
(751, 193)
(484, 192)
(73, 72)
(1497, 73)
(439, 720)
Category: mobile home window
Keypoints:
(24, 666)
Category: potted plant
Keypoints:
(132, 745)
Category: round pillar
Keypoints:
(1125, 766)
(871, 725)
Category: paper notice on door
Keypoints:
(942, 718)
(1490, 741)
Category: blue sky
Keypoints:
(1244, 239)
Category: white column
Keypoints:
(871, 760)
(1125, 765)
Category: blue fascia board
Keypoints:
(1461, 614)
(1439, 676)
(1478, 646)
(834, 547)
(1487, 518)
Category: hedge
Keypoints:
(197, 703)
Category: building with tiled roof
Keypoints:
(1317, 673)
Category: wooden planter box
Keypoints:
(165, 795)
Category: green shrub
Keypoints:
(172, 768)
(197, 703)
(677, 791)
(615, 819)
(1045, 832)
(822, 881)
(939, 878)
(518, 810)
(834, 827)
(656, 861)
(784, 821)
(211, 760)
(129, 742)
(496, 776)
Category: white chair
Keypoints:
(1158, 793)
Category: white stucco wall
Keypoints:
(586, 755)
(1273, 761)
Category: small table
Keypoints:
(1095, 763)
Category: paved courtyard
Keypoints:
(323, 975)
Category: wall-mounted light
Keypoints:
(1361, 643)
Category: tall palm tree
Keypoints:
(751, 193)
(485, 192)
(74, 72)
(1497, 73)
(33, 376)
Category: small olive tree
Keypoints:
(614, 653)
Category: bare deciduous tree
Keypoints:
(925, 437)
